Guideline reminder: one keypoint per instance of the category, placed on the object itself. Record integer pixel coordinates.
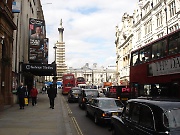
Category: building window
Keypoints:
(148, 27)
(160, 35)
(159, 19)
(147, 9)
(157, 1)
(172, 8)
(176, 26)
(171, 29)
(138, 34)
(34, 2)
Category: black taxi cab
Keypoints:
(148, 117)
(102, 108)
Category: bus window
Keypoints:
(135, 59)
(174, 45)
(141, 56)
(159, 49)
(145, 54)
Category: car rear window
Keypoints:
(107, 103)
(76, 91)
(91, 93)
(172, 118)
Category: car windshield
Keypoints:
(91, 93)
(172, 118)
(76, 91)
(107, 104)
(119, 103)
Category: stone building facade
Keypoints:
(123, 48)
(14, 39)
(28, 9)
(95, 75)
(7, 26)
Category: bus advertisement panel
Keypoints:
(68, 83)
(155, 68)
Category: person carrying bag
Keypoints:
(34, 94)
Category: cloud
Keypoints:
(89, 29)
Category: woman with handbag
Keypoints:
(34, 94)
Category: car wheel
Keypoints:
(95, 119)
(113, 131)
(87, 113)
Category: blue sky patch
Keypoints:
(87, 11)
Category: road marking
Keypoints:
(77, 126)
(73, 118)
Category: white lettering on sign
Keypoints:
(164, 67)
(47, 67)
(38, 67)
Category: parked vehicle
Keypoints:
(86, 96)
(73, 94)
(101, 109)
(148, 117)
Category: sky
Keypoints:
(89, 29)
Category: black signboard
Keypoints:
(40, 69)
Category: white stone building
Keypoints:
(123, 48)
(154, 19)
(95, 75)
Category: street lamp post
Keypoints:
(165, 9)
(55, 47)
(106, 75)
(92, 77)
(55, 78)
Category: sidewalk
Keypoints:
(37, 120)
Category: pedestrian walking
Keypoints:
(52, 92)
(21, 93)
(34, 94)
(44, 90)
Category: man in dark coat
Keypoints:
(52, 92)
(21, 93)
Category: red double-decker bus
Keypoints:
(69, 81)
(155, 68)
(80, 80)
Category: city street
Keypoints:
(86, 124)
(37, 120)
(65, 119)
